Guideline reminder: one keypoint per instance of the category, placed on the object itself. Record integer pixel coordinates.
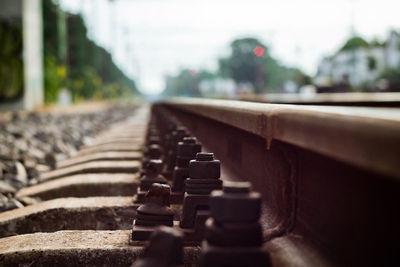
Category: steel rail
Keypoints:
(364, 137)
(383, 99)
(329, 176)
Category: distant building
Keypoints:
(360, 65)
(218, 86)
(392, 55)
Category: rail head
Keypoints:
(381, 99)
(368, 138)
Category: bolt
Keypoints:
(154, 139)
(204, 173)
(204, 167)
(165, 248)
(172, 126)
(156, 209)
(154, 151)
(236, 187)
(177, 136)
(235, 212)
(181, 130)
(235, 203)
(205, 156)
(189, 140)
(234, 234)
(187, 150)
(158, 194)
(154, 166)
(152, 131)
(152, 175)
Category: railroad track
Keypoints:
(328, 180)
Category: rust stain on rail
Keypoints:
(365, 137)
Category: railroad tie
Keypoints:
(216, 183)
(88, 203)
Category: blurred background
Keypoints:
(66, 51)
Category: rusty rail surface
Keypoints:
(382, 99)
(329, 176)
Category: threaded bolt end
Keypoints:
(203, 156)
(189, 140)
(236, 187)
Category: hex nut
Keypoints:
(165, 246)
(188, 148)
(154, 166)
(234, 234)
(237, 187)
(200, 191)
(204, 167)
(189, 181)
(154, 151)
(235, 207)
(146, 181)
(204, 186)
(158, 194)
(153, 140)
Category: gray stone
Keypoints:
(50, 160)
(26, 138)
(6, 188)
(16, 203)
(21, 174)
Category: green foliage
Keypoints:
(264, 72)
(206, 75)
(376, 43)
(11, 73)
(301, 78)
(371, 63)
(392, 75)
(51, 79)
(354, 43)
(186, 83)
(89, 71)
(243, 65)
(224, 70)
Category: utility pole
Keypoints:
(353, 34)
(113, 26)
(61, 35)
(132, 67)
(80, 39)
(62, 43)
(32, 27)
(64, 95)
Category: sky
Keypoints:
(150, 39)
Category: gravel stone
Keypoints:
(33, 142)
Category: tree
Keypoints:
(371, 63)
(89, 71)
(250, 61)
(11, 73)
(392, 76)
(243, 65)
(354, 43)
(376, 43)
(186, 83)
